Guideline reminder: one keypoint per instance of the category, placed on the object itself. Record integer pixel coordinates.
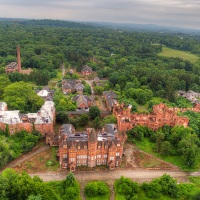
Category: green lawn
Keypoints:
(150, 147)
(144, 108)
(168, 52)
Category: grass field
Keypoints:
(150, 147)
(168, 52)
(144, 108)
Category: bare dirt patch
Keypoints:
(39, 162)
(136, 158)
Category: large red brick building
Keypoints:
(160, 116)
(41, 121)
(89, 148)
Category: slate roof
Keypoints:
(84, 96)
(92, 136)
(12, 65)
(96, 79)
(72, 84)
(67, 86)
(86, 68)
(66, 129)
(110, 128)
(82, 100)
(111, 102)
(80, 139)
(110, 94)
(46, 93)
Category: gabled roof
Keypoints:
(96, 79)
(86, 68)
(12, 65)
(79, 85)
(67, 86)
(111, 102)
(110, 128)
(92, 136)
(66, 129)
(110, 94)
(81, 100)
(83, 96)
(72, 84)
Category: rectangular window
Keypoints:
(64, 155)
(117, 154)
(111, 157)
(99, 156)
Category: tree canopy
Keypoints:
(21, 96)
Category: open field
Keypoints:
(168, 52)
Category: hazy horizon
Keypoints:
(173, 13)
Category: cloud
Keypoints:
(165, 12)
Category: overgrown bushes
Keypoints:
(176, 141)
(13, 146)
(97, 189)
(164, 187)
(23, 187)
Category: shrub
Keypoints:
(96, 188)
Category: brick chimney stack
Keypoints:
(18, 59)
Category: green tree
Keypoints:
(96, 123)
(83, 119)
(21, 96)
(62, 117)
(4, 82)
(98, 90)
(96, 189)
(41, 77)
(94, 112)
(165, 148)
(33, 197)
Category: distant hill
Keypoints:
(146, 27)
(94, 25)
(48, 22)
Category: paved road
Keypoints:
(110, 176)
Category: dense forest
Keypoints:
(120, 56)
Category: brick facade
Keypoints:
(89, 148)
(86, 71)
(160, 116)
(41, 121)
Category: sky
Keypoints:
(177, 13)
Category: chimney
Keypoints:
(18, 59)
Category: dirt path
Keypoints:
(111, 176)
(102, 104)
(91, 85)
(24, 157)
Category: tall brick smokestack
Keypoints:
(18, 59)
